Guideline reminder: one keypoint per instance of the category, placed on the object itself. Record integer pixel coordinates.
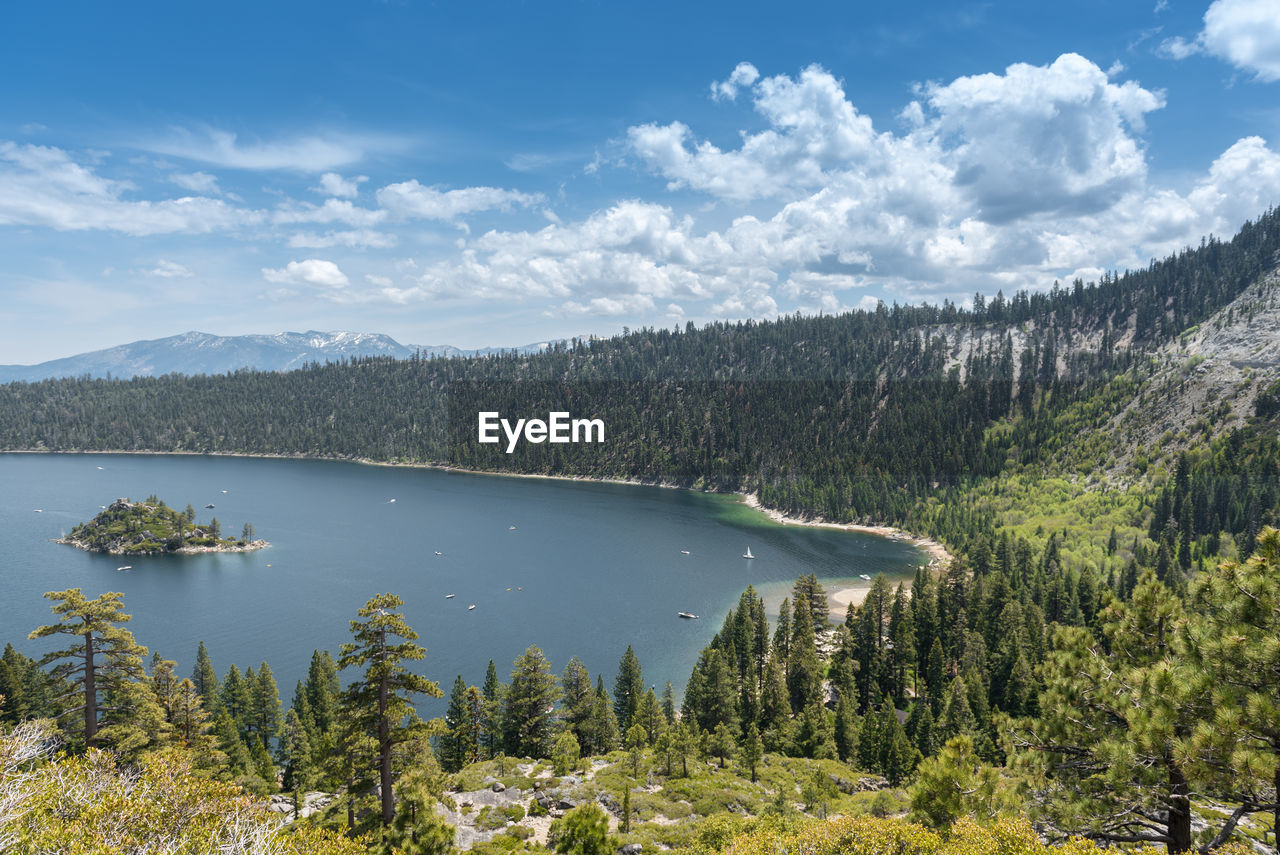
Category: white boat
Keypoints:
(864, 577)
(687, 615)
(224, 492)
(748, 554)
(684, 552)
(471, 607)
(209, 506)
(511, 528)
(450, 596)
(391, 501)
(125, 567)
(39, 510)
(438, 552)
(99, 467)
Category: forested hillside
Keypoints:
(856, 416)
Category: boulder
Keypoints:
(498, 786)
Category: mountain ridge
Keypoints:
(193, 352)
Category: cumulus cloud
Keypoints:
(312, 271)
(999, 181)
(744, 74)
(813, 130)
(411, 200)
(333, 184)
(1040, 139)
(1245, 33)
(45, 186)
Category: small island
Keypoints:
(151, 527)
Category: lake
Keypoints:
(577, 568)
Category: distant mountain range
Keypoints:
(201, 353)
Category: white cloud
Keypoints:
(170, 270)
(1245, 33)
(312, 271)
(333, 184)
(196, 182)
(332, 211)
(813, 131)
(1000, 181)
(409, 199)
(1042, 139)
(44, 186)
(353, 238)
(304, 153)
(744, 74)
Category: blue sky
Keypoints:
(497, 173)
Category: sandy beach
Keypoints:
(939, 557)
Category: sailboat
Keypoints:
(748, 554)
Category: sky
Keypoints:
(492, 173)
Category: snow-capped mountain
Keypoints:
(202, 353)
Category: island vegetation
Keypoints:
(151, 527)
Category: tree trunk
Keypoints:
(1179, 822)
(1275, 817)
(90, 695)
(384, 743)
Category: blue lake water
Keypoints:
(587, 569)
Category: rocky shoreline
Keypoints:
(250, 546)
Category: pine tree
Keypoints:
(603, 732)
(491, 723)
(683, 743)
(578, 696)
(528, 717)
(235, 698)
(567, 753)
(192, 725)
(627, 688)
(804, 675)
(775, 707)
(265, 708)
(295, 756)
(813, 734)
(205, 678)
(752, 750)
(103, 663)
(935, 676)
(846, 729)
(1125, 711)
(649, 716)
(637, 740)
(955, 784)
(669, 702)
(378, 702)
(1226, 654)
(722, 743)
(323, 688)
(454, 748)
